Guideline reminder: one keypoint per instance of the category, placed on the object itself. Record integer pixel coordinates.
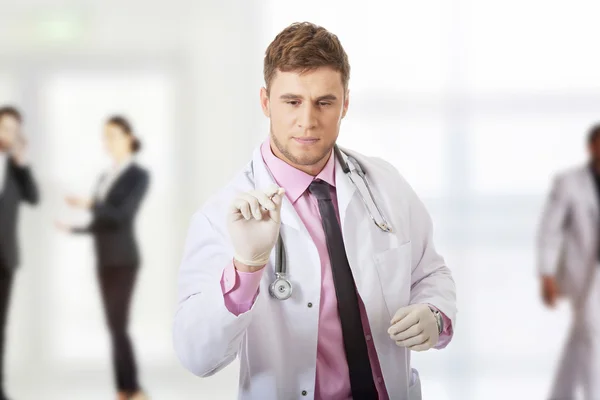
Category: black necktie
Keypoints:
(357, 355)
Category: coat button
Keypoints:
(309, 305)
(304, 393)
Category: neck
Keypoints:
(120, 159)
(313, 169)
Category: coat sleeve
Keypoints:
(550, 235)
(27, 185)
(431, 279)
(206, 335)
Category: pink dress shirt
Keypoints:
(241, 288)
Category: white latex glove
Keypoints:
(253, 223)
(414, 327)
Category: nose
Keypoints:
(307, 119)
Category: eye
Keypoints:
(293, 102)
(324, 103)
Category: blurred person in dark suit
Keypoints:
(114, 206)
(569, 262)
(16, 185)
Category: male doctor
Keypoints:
(361, 297)
(569, 262)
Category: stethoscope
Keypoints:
(281, 288)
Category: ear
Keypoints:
(264, 102)
(346, 103)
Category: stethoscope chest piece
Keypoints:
(281, 288)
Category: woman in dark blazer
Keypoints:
(114, 206)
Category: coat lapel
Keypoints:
(357, 230)
(7, 171)
(590, 192)
(121, 179)
(262, 180)
(344, 189)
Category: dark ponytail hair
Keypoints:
(125, 126)
(136, 145)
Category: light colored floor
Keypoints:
(460, 383)
(170, 383)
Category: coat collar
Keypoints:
(263, 179)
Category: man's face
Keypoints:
(306, 111)
(9, 131)
(594, 149)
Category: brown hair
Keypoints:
(125, 126)
(12, 112)
(303, 47)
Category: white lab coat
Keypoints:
(275, 340)
(567, 249)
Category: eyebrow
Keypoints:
(291, 96)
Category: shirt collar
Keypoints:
(120, 167)
(294, 181)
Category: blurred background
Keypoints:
(477, 103)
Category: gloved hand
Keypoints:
(414, 327)
(253, 223)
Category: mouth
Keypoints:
(306, 140)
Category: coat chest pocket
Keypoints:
(394, 270)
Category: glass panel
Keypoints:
(531, 46)
(517, 154)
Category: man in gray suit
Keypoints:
(569, 266)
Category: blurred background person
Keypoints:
(114, 206)
(569, 262)
(16, 185)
